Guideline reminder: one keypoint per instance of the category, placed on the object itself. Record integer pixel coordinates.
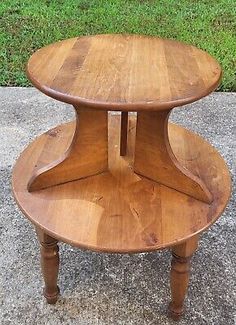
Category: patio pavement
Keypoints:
(105, 288)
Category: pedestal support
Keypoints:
(155, 159)
(87, 154)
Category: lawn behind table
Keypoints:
(30, 24)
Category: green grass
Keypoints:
(26, 25)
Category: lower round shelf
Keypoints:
(119, 211)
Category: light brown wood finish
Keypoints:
(115, 209)
(180, 273)
(123, 133)
(86, 156)
(49, 264)
(124, 72)
(154, 157)
(119, 211)
(127, 72)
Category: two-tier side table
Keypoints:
(118, 183)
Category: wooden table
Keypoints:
(112, 184)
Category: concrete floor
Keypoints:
(104, 288)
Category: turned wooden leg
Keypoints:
(50, 266)
(179, 277)
(123, 133)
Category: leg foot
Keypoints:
(173, 314)
(50, 266)
(179, 278)
(51, 298)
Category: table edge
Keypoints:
(125, 251)
(114, 106)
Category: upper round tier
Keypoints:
(124, 72)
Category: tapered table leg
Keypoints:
(50, 265)
(179, 278)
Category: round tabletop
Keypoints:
(119, 211)
(124, 72)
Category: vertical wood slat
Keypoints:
(123, 133)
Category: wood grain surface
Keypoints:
(119, 211)
(154, 157)
(180, 274)
(87, 154)
(50, 265)
(124, 72)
